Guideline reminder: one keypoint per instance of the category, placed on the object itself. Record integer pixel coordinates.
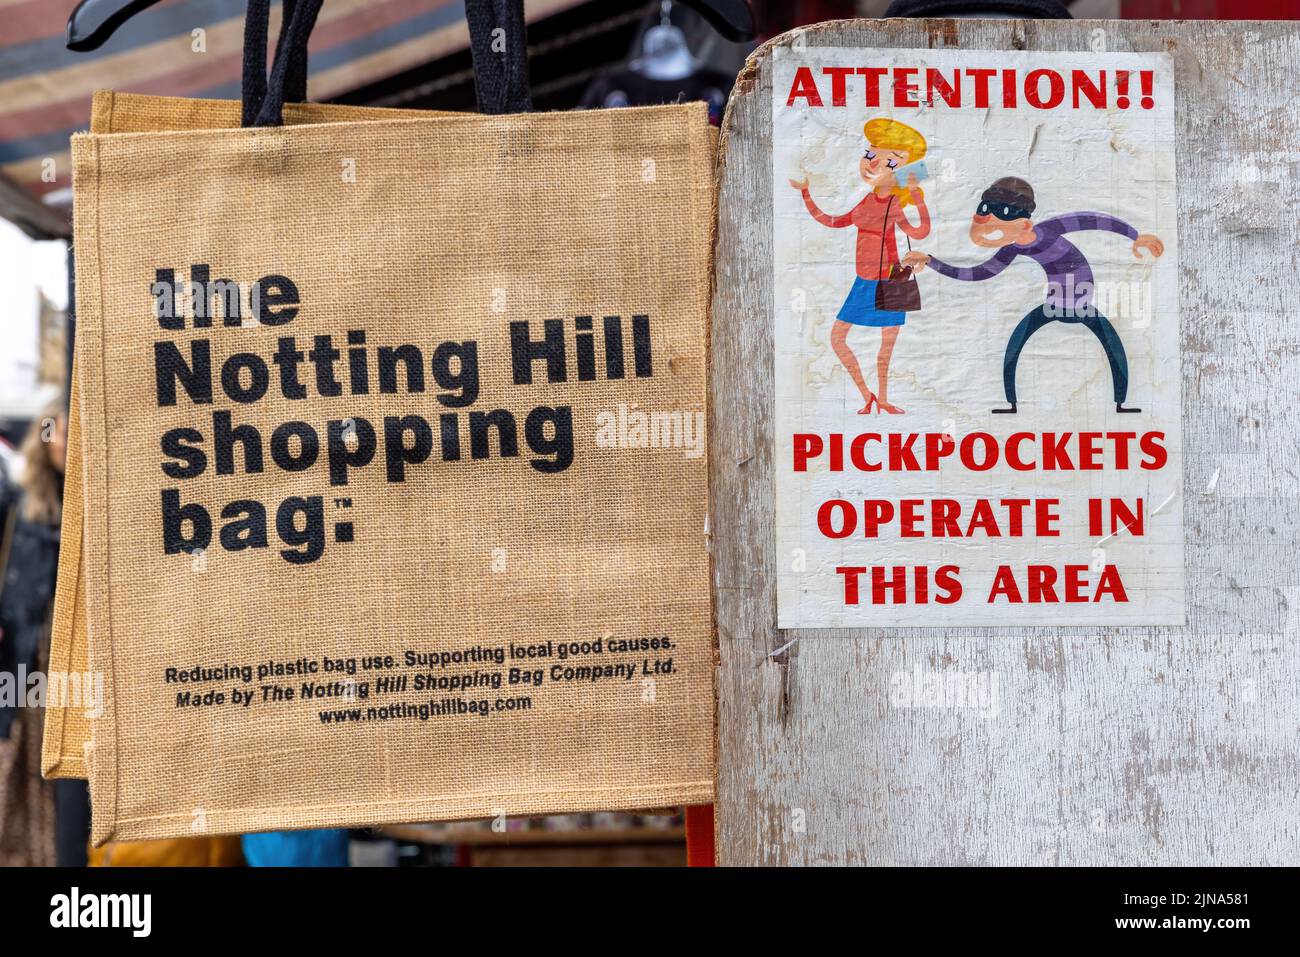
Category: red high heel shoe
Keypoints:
(866, 409)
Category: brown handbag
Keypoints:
(897, 292)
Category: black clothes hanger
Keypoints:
(733, 19)
(93, 21)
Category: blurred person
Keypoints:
(326, 847)
(33, 811)
(175, 852)
(8, 462)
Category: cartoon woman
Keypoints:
(890, 144)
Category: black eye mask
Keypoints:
(1003, 211)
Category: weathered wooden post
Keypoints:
(1160, 729)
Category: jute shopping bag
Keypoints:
(410, 524)
(66, 742)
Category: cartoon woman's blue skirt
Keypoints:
(859, 308)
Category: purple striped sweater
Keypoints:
(1069, 277)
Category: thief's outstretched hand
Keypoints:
(917, 260)
(1151, 243)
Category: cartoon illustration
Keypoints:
(1002, 222)
(890, 145)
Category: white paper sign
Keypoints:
(1007, 450)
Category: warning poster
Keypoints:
(976, 323)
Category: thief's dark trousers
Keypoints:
(1095, 321)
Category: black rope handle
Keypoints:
(498, 43)
(290, 62)
(295, 82)
(253, 83)
(498, 46)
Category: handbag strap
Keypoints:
(498, 46)
(883, 228)
(881, 265)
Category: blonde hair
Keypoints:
(40, 480)
(889, 134)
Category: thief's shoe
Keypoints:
(1007, 411)
(1121, 407)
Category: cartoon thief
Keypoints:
(1002, 222)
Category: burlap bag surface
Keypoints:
(448, 231)
(66, 743)
(113, 112)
